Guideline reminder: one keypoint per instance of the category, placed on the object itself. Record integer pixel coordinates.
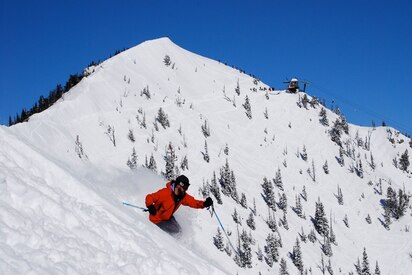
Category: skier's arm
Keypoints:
(192, 202)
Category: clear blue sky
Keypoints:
(357, 54)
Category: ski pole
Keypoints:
(135, 206)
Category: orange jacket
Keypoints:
(164, 202)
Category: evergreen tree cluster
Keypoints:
(227, 181)
(45, 102)
(396, 204)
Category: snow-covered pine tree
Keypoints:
(320, 221)
(271, 221)
(283, 202)
(304, 154)
(206, 153)
(247, 107)
(404, 161)
(298, 207)
(206, 129)
(304, 194)
(283, 270)
(296, 256)
(215, 189)
(285, 221)
(151, 164)
(226, 150)
(271, 250)
(340, 196)
(132, 161)
(278, 180)
(167, 61)
(323, 117)
(341, 159)
(326, 246)
(377, 270)
(236, 217)
(79, 148)
(365, 263)
(326, 167)
(218, 240)
(246, 256)
(303, 236)
(251, 221)
(329, 267)
(266, 114)
(312, 236)
(184, 165)
(243, 201)
(162, 118)
(170, 158)
(131, 136)
(237, 89)
(268, 194)
(346, 221)
(335, 132)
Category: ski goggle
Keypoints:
(181, 184)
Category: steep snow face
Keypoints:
(64, 174)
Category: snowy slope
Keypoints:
(61, 213)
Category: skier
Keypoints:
(163, 203)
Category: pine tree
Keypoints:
(247, 107)
(131, 136)
(283, 267)
(341, 160)
(278, 180)
(320, 220)
(340, 196)
(304, 153)
(312, 236)
(298, 208)
(285, 221)
(237, 89)
(236, 217)
(215, 189)
(323, 118)
(304, 194)
(184, 163)
(246, 249)
(326, 246)
(404, 161)
(268, 194)
(297, 256)
(271, 221)
(243, 201)
(365, 264)
(326, 167)
(170, 158)
(226, 150)
(151, 164)
(251, 221)
(132, 161)
(218, 240)
(206, 153)
(162, 118)
(206, 129)
(377, 270)
(271, 250)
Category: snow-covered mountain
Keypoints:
(65, 173)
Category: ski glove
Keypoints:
(152, 209)
(208, 202)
